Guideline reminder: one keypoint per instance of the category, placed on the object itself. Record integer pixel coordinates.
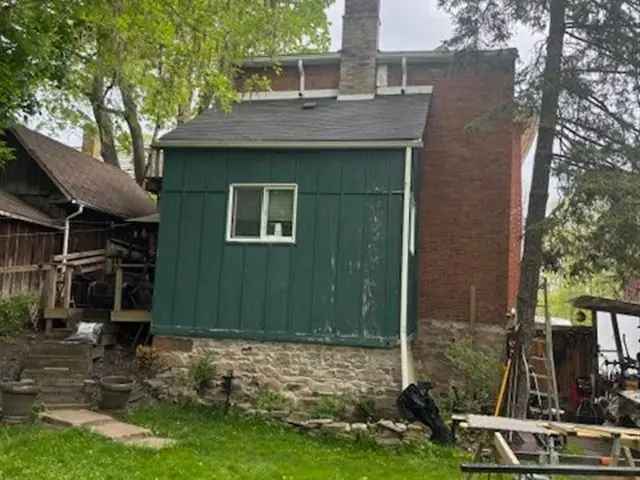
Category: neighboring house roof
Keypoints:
(393, 118)
(12, 207)
(87, 180)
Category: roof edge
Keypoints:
(22, 218)
(414, 56)
(311, 145)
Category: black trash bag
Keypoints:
(416, 403)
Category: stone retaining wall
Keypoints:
(302, 373)
(436, 336)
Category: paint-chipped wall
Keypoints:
(338, 284)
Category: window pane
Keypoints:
(280, 220)
(247, 212)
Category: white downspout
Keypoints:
(67, 227)
(405, 358)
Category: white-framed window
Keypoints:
(262, 212)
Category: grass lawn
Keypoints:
(212, 446)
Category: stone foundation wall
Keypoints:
(429, 349)
(301, 372)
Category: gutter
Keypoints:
(406, 360)
(67, 227)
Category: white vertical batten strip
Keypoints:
(405, 359)
(302, 79)
(404, 74)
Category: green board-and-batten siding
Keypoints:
(340, 282)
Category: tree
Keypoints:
(36, 41)
(147, 65)
(583, 85)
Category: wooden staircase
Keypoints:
(60, 369)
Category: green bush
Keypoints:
(330, 407)
(202, 372)
(475, 378)
(16, 313)
(270, 401)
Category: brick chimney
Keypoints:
(360, 27)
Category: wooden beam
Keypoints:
(618, 340)
(24, 269)
(117, 300)
(72, 256)
(131, 316)
(68, 278)
(504, 454)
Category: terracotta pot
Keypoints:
(115, 392)
(17, 400)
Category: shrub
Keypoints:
(330, 407)
(475, 377)
(365, 410)
(148, 361)
(202, 372)
(270, 401)
(16, 313)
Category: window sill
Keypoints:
(262, 241)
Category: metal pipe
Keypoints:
(65, 242)
(404, 280)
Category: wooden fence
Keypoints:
(26, 251)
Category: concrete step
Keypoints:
(60, 348)
(53, 374)
(61, 387)
(61, 395)
(60, 333)
(74, 365)
(65, 406)
(46, 383)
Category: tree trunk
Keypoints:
(535, 224)
(103, 121)
(135, 129)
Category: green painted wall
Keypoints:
(340, 282)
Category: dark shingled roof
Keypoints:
(82, 178)
(12, 207)
(385, 118)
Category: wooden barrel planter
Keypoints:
(18, 399)
(115, 392)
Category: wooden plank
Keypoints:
(617, 338)
(86, 261)
(75, 255)
(566, 470)
(131, 316)
(117, 299)
(68, 278)
(24, 269)
(62, 313)
(504, 453)
(503, 424)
